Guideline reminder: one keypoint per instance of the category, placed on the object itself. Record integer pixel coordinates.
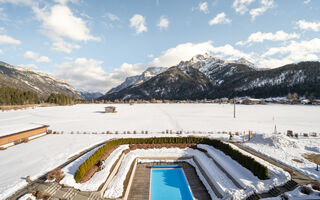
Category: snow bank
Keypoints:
(285, 150)
(277, 176)
(244, 176)
(27, 197)
(297, 195)
(223, 184)
(38, 156)
(98, 178)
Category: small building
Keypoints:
(252, 101)
(22, 136)
(110, 109)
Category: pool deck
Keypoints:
(141, 181)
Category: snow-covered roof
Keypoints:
(16, 128)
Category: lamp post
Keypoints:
(234, 108)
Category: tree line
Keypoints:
(60, 99)
(13, 96)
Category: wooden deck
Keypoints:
(141, 181)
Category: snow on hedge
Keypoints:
(245, 177)
(98, 178)
(277, 175)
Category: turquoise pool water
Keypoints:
(169, 184)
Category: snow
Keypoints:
(159, 117)
(284, 149)
(244, 176)
(27, 197)
(43, 154)
(98, 178)
(37, 157)
(7, 127)
(297, 195)
(223, 184)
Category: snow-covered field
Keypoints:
(159, 117)
(43, 154)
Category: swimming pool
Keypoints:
(169, 184)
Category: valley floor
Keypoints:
(41, 155)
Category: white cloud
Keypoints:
(65, 1)
(186, 51)
(150, 55)
(203, 7)
(241, 6)
(84, 74)
(138, 22)
(60, 24)
(35, 56)
(61, 45)
(265, 5)
(307, 1)
(19, 2)
(5, 39)
(163, 23)
(1, 52)
(61, 21)
(260, 37)
(3, 15)
(88, 74)
(112, 17)
(221, 18)
(294, 52)
(305, 25)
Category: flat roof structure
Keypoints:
(13, 137)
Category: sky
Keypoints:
(95, 44)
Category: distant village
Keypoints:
(237, 100)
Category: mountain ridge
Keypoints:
(211, 77)
(30, 80)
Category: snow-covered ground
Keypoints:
(39, 156)
(224, 185)
(298, 195)
(288, 151)
(159, 117)
(43, 154)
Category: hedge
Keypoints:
(255, 167)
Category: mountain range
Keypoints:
(205, 76)
(30, 80)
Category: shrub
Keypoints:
(284, 197)
(306, 190)
(316, 186)
(255, 167)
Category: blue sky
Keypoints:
(94, 45)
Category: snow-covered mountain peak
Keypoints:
(139, 79)
(242, 61)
